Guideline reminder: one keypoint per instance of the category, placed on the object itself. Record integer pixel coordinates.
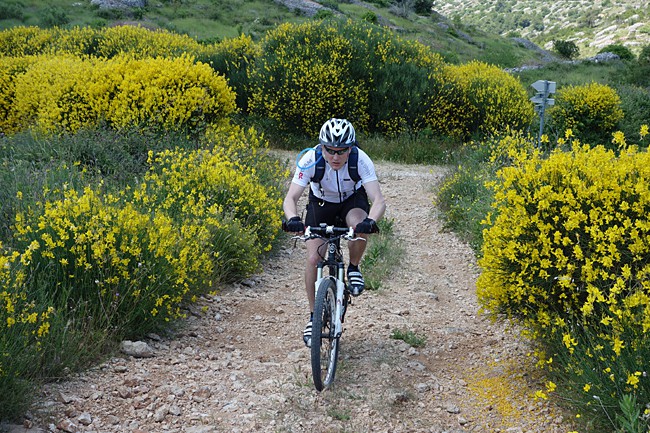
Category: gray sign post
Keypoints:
(544, 88)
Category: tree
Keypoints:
(566, 49)
(422, 7)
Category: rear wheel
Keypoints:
(324, 344)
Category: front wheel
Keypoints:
(324, 344)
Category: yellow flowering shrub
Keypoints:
(65, 93)
(312, 71)
(205, 187)
(24, 327)
(107, 42)
(27, 41)
(52, 95)
(479, 98)
(248, 151)
(303, 77)
(566, 255)
(592, 111)
(24, 41)
(10, 67)
(127, 270)
(569, 237)
(171, 94)
(140, 43)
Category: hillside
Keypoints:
(590, 24)
(212, 20)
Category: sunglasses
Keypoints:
(336, 152)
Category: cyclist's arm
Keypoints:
(378, 206)
(290, 204)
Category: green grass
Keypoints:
(565, 74)
(411, 148)
(383, 254)
(409, 337)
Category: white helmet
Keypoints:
(337, 133)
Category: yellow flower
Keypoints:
(633, 379)
(586, 388)
(618, 345)
(551, 386)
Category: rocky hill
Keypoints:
(590, 24)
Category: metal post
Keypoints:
(542, 109)
(544, 88)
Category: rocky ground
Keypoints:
(238, 363)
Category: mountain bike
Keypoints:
(332, 299)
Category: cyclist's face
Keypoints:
(336, 157)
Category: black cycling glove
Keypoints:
(367, 226)
(294, 225)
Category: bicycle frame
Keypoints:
(334, 261)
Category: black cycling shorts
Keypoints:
(321, 211)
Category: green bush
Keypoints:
(464, 196)
(370, 16)
(54, 16)
(644, 56)
(422, 7)
(620, 50)
(12, 11)
(233, 58)
(566, 49)
(591, 111)
(635, 103)
(639, 73)
(303, 76)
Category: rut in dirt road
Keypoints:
(238, 364)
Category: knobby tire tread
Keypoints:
(318, 342)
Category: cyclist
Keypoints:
(336, 194)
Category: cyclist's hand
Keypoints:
(367, 226)
(294, 225)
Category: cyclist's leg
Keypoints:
(310, 271)
(356, 210)
(354, 217)
(318, 211)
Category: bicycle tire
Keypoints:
(324, 344)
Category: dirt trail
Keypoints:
(239, 365)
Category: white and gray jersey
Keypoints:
(336, 185)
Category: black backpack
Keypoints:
(353, 165)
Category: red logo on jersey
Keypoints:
(300, 175)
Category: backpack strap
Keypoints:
(320, 166)
(353, 164)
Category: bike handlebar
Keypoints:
(323, 231)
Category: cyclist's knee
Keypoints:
(312, 260)
(355, 216)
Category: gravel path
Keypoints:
(238, 363)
